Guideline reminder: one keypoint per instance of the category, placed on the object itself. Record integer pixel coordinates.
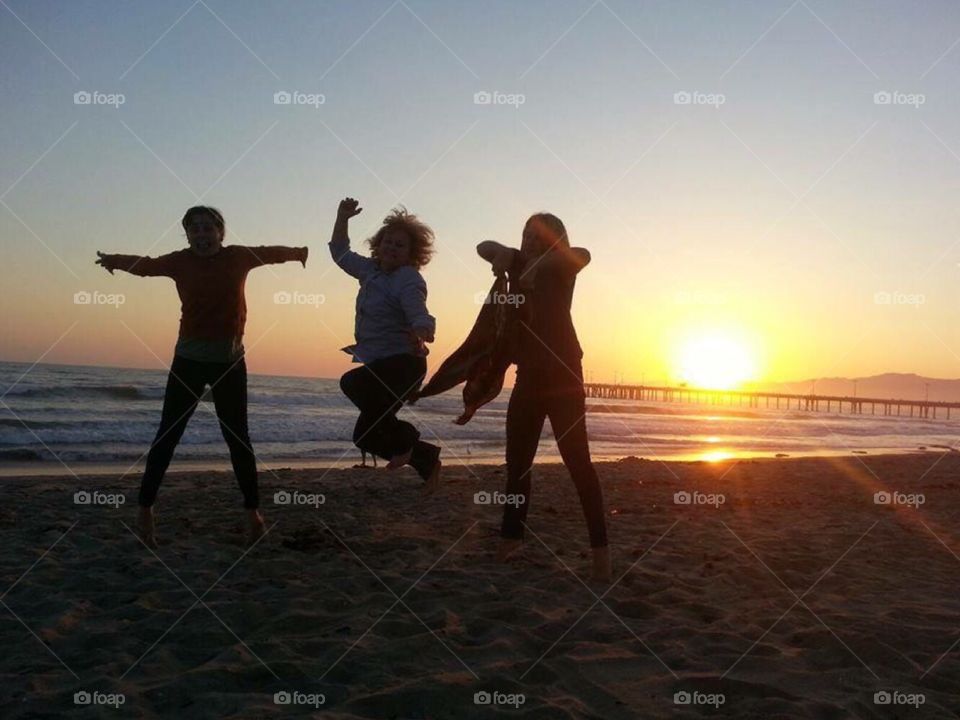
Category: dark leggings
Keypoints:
(529, 405)
(378, 389)
(185, 384)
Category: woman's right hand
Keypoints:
(348, 208)
(107, 261)
(502, 261)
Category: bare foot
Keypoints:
(433, 482)
(398, 461)
(602, 569)
(146, 527)
(256, 528)
(509, 547)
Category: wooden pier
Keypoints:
(809, 402)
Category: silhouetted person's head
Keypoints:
(542, 233)
(403, 239)
(205, 229)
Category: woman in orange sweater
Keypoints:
(210, 279)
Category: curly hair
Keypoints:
(420, 234)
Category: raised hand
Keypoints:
(502, 261)
(348, 208)
(107, 261)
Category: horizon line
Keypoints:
(319, 377)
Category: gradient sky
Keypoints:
(776, 218)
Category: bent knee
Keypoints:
(349, 383)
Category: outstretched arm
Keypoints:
(350, 262)
(273, 254)
(137, 264)
(499, 256)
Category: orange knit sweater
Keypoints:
(212, 302)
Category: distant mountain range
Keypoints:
(897, 386)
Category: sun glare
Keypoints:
(715, 361)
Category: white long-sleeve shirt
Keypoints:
(389, 305)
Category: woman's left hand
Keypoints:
(420, 337)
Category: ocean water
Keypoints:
(80, 417)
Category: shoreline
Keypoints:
(51, 469)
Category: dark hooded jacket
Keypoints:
(483, 358)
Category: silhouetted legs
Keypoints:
(529, 406)
(378, 390)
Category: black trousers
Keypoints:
(185, 385)
(378, 389)
(531, 402)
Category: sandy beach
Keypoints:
(774, 589)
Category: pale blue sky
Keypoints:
(781, 213)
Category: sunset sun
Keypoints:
(715, 361)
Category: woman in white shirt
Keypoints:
(391, 328)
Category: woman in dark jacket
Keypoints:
(549, 377)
